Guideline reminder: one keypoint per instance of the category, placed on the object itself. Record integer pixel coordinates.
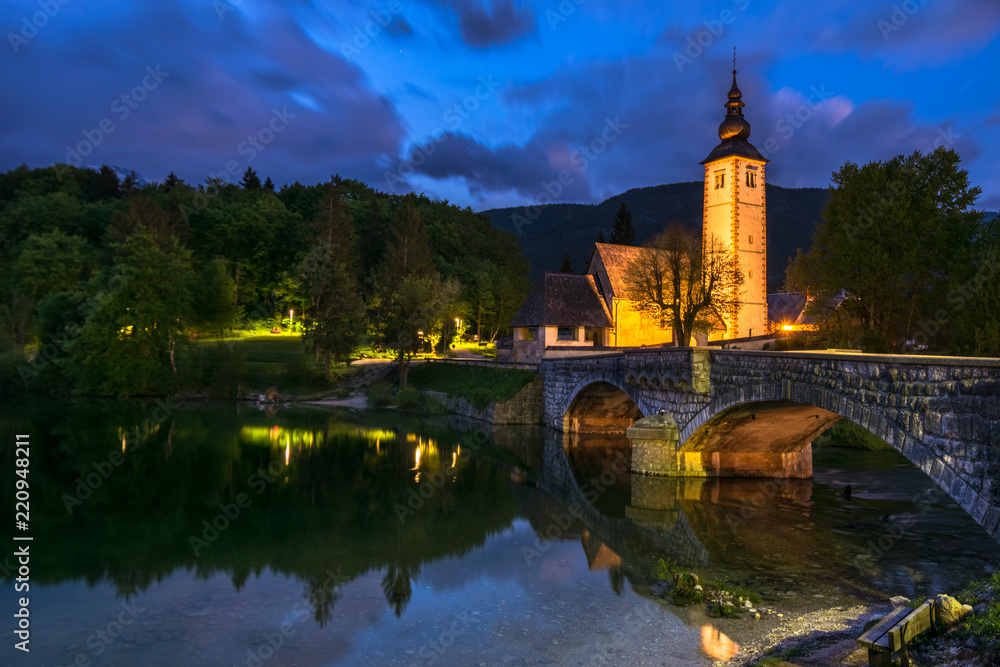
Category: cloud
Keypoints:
(523, 169)
(484, 27)
(225, 83)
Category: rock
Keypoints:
(689, 578)
(271, 395)
(899, 601)
(949, 611)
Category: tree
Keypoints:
(329, 277)
(600, 237)
(684, 284)
(623, 232)
(406, 288)
(214, 303)
(895, 237)
(127, 343)
(566, 266)
(250, 180)
(268, 184)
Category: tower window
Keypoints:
(751, 179)
(720, 180)
(751, 273)
(751, 239)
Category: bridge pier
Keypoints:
(657, 450)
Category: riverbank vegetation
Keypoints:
(112, 285)
(478, 385)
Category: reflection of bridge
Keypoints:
(756, 413)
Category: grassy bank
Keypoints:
(255, 363)
(848, 434)
(476, 384)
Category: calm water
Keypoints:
(230, 536)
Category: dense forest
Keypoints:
(107, 284)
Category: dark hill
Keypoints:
(560, 228)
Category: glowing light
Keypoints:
(288, 453)
(123, 443)
(417, 455)
(718, 645)
(787, 327)
(454, 459)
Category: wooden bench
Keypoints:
(892, 633)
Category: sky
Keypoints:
(489, 103)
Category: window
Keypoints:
(751, 179)
(720, 180)
(566, 333)
(751, 239)
(529, 333)
(751, 273)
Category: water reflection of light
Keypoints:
(417, 457)
(718, 645)
(123, 444)
(288, 453)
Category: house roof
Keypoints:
(564, 299)
(790, 307)
(616, 259)
(786, 307)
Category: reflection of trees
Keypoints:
(332, 509)
(396, 586)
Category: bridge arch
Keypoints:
(599, 404)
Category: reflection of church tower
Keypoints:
(735, 212)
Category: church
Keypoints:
(571, 314)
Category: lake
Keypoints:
(223, 534)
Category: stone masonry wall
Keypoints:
(942, 413)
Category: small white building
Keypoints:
(563, 316)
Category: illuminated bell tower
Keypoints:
(735, 213)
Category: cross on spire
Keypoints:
(734, 60)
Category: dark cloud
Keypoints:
(483, 27)
(226, 82)
(527, 170)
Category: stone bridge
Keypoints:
(745, 413)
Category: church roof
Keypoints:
(738, 147)
(564, 299)
(616, 259)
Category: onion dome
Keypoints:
(735, 126)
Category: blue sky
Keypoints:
(486, 102)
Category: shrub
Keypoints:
(407, 398)
(380, 394)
